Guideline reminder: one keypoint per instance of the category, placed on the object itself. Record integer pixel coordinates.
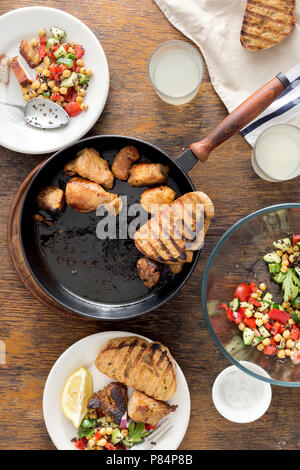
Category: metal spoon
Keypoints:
(42, 113)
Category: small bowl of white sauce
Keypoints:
(238, 396)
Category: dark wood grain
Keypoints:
(239, 118)
(35, 336)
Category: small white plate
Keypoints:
(83, 354)
(231, 382)
(24, 23)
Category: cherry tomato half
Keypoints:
(73, 108)
(243, 292)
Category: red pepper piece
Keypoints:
(98, 436)
(277, 328)
(41, 50)
(253, 287)
(148, 427)
(109, 446)
(67, 47)
(269, 350)
(282, 317)
(229, 312)
(42, 40)
(254, 302)
(71, 95)
(296, 239)
(80, 444)
(79, 51)
(55, 97)
(239, 315)
(250, 322)
(55, 47)
(295, 334)
(268, 325)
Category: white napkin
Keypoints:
(235, 72)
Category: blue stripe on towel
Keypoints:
(283, 109)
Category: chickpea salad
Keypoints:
(99, 432)
(271, 327)
(61, 74)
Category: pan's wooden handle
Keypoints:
(241, 116)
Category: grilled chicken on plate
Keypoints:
(86, 196)
(137, 363)
(153, 198)
(177, 230)
(29, 53)
(123, 162)
(51, 199)
(149, 271)
(111, 401)
(90, 165)
(19, 72)
(4, 69)
(144, 409)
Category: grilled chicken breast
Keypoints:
(51, 199)
(123, 162)
(86, 196)
(112, 401)
(148, 174)
(143, 409)
(29, 53)
(4, 69)
(90, 165)
(149, 271)
(148, 367)
(267, 22)
(152, 198)
(19, 72)
(176, 231)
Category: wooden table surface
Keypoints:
(35, 336)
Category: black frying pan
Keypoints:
(92, 277)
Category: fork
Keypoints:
(158, 433)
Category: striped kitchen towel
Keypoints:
(236, 73)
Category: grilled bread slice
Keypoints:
(133, 361)
(267, 22)
(175, 231)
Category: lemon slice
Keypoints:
(75, 396)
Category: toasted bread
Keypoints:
(175, 232)
(266, 23)
(133, 361)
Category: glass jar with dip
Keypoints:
(175, 70)
(276, 153)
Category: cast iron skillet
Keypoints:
(92, 277)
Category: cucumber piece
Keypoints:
(47, 93)
(83, 79)
(279, 277)
(235, 345)
(268, 297)
(67, 62)
(60, 52)
(274, 268)
(282, 244)
(256, 341)
(297, 269)
(70, 81)
(296, 302)
(264, 305)
(295, 316)
(277, 306)
(264, 332)
(234, 304)
(50, 42)
(57, 33)
(248, 336)
(272, 257)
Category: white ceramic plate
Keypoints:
(83, 353)
(25, 23)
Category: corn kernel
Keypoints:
(89, 72)
(277, 338)
(279, 253)
(290, 343)
(283, 269)
(26, 97)
(66, 73)
(266, 341)
(281, 354)
(46, 73)
(84, 106)
(260, 347)
(42, 32)
(241, 325)
(262, 286)
(63, 90)
(83, 70)
(79, 62)
(79, 99)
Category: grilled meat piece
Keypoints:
(143, 409)
(86, 196)
(111, 401)
(123, 162)
(148, 174)
(137, 363)
(51, 199)
(149, 271)
(19, 72)
(40, 218)
(4, 69)
(175, 232)
(267, 22)
(152, 198)
(29, 53)
(90, 165)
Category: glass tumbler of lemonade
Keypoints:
(276, 153)
(175, 70)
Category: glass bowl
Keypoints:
(237, 258)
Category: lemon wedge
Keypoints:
(75, 396)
